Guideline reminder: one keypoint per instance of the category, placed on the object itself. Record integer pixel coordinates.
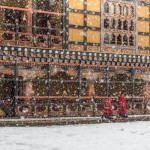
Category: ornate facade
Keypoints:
(64, 57)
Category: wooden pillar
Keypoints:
(148, 91)
(64, 23)
(2, 18)
(29, 16)
(107, 81)
(15, 102)
(34, 5)
(79, 90)
(49, 89)
(132, 88)
(91, 89)
(28, 92)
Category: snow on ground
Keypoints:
(106, 136)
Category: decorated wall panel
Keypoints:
(93, 36)
(143, 41)
(76, 4)
(143, 26)
(94, 5)
(76, 35)
(143, 11)
(93, 20)
(76, 18)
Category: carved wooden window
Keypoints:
(106, 23)
(106, 38)
(131, 25)
(119, 10)
(119, 24)
(106, 8)
(125, 25)
(131, 10)
(125, 10)
(113, 39)
(125, 40)
(113, 23)
(112, 9)
(119, 39)
(131, 40)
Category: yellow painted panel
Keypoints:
(143, 26)
(76, 35)
(93, 20)
(143, 11)
(94, 5)
(143, 41)
(76, 4)
(93, 36)
(76, 19)
(2, 113)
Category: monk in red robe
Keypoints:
(107, 109)
(122, 106)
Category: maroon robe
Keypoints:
(107, 106)
(121, 105)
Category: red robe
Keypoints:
(121, 105)
(107, 106)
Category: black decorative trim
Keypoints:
(83, 27)
(143, 33)
(81, 43)
(74, 57)
(67, 24)
(143, 19)
(34, 5)
(141, 3)
(64, 24)
(144, 48)
(82, 11)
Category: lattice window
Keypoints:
(106, 38)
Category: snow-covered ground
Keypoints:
(107, 136)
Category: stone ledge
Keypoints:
(66, 121)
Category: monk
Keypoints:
(107, 108)
(121, 112)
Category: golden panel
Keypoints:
(143, 26)
(94, 5)
(143, 41)
(93, 36)
(2, 113)
(76, 35)
(76, 18)
(76, 4)
(143, 12)
(93, 21)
